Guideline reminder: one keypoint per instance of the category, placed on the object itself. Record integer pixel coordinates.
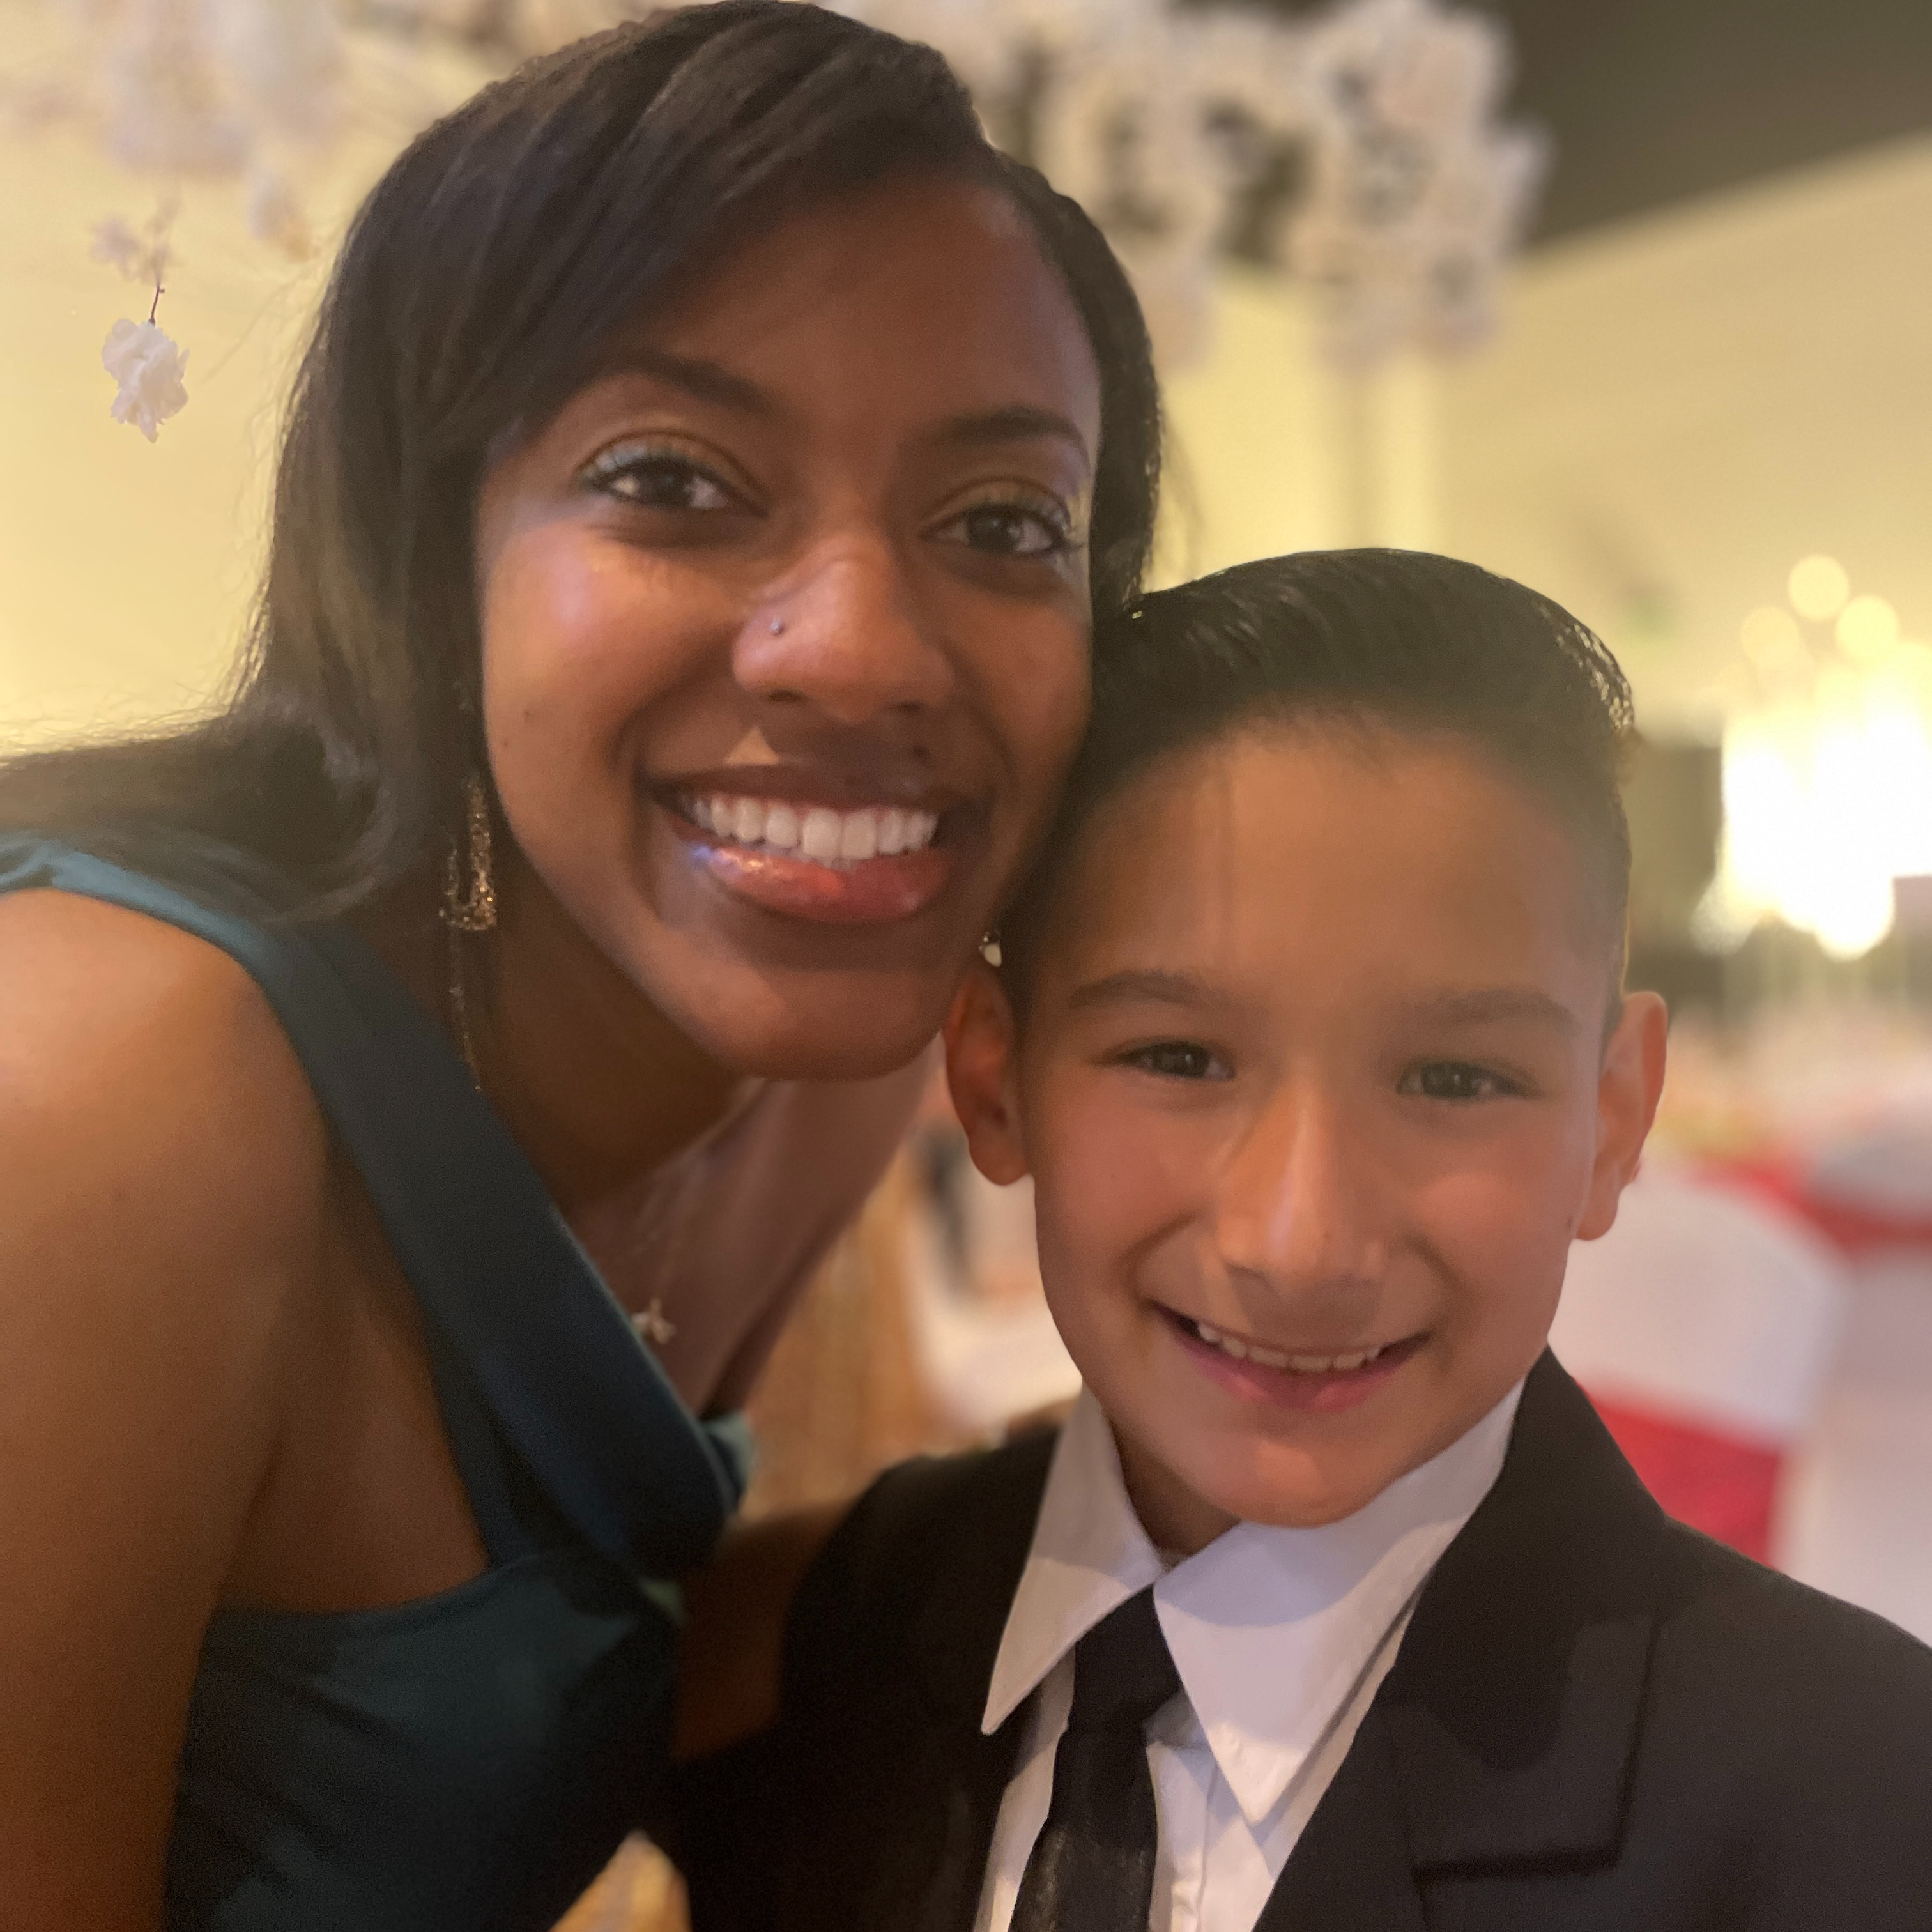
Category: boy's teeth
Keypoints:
(1276, 1358)
(830, 837)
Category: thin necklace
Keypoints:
(653, 1326)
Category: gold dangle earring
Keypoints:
(469, 906)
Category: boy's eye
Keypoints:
(1455, 1080)
(655, 477)
(1010, 529)
(1179, 1059)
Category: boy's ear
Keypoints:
(1628, 1089)
(982, 1068)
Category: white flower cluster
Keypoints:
(1416, 197)
(1359, 149)
(149, 366)
(1176, 129)
(183, 87)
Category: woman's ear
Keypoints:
(982, 1069)
(1628, 1088)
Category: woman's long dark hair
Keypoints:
(487, 271)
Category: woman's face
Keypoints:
(785, 625)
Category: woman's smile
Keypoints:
(795, 851)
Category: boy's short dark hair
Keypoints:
(1422, 642)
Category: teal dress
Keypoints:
(468, 1762)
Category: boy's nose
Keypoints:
(844, 641)
(1297, 1204)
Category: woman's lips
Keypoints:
(857, 864)
(1325, 1384)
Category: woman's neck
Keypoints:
(599, 1089)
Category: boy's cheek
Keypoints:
(1111, 1181)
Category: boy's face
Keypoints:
(1314, 1064)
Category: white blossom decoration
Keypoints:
(1176, 129)
(141, 357)
(1360, 150)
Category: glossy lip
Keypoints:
(1288, 1388)
(865, 892)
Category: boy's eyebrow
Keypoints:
(1498, 1003)
(1178, 989)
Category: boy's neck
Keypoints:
(1178, 1523)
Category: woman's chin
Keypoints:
(802, 1026)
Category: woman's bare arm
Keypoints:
(160, 1167)
(731, 1663)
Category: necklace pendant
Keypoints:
(654, 1325)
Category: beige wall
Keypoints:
(1675, 412)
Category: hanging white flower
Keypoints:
(1416, 197)
(119, 247)
(276, 216)
(140, 255)
(147, 364)
(167, 107)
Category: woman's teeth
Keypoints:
(816, 831)
(1276, 1358)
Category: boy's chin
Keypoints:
(1303, 1497)
(1186, 1497)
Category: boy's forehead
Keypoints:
(1376, 860)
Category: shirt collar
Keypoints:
(1270, 1629)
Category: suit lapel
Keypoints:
(1351, 1868)
(1514, 1706)
(1506, 1734)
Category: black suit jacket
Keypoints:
(1598, 1721)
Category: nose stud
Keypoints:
(777, 626)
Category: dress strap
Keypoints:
(518, 1310)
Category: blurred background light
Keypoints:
(1867, 629)
(1819, 588)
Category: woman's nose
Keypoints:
(1297, 1205)
(847, 637)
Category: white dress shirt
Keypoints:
(1280, 1637)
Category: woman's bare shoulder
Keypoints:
(163, 1175)
(147, 1095)
(86, 980)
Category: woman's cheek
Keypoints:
(1042, 709)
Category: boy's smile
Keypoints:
(1315, 1082)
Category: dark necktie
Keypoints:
(1091, 1868)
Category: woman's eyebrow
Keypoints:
(710, 381)
(706, 382)
(1174, 989)
(1016, 422)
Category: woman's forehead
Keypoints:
(939, 284)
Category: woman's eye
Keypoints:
(1010, 529)
(1179, 1059)
(1456, 1080)
(658, 479)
